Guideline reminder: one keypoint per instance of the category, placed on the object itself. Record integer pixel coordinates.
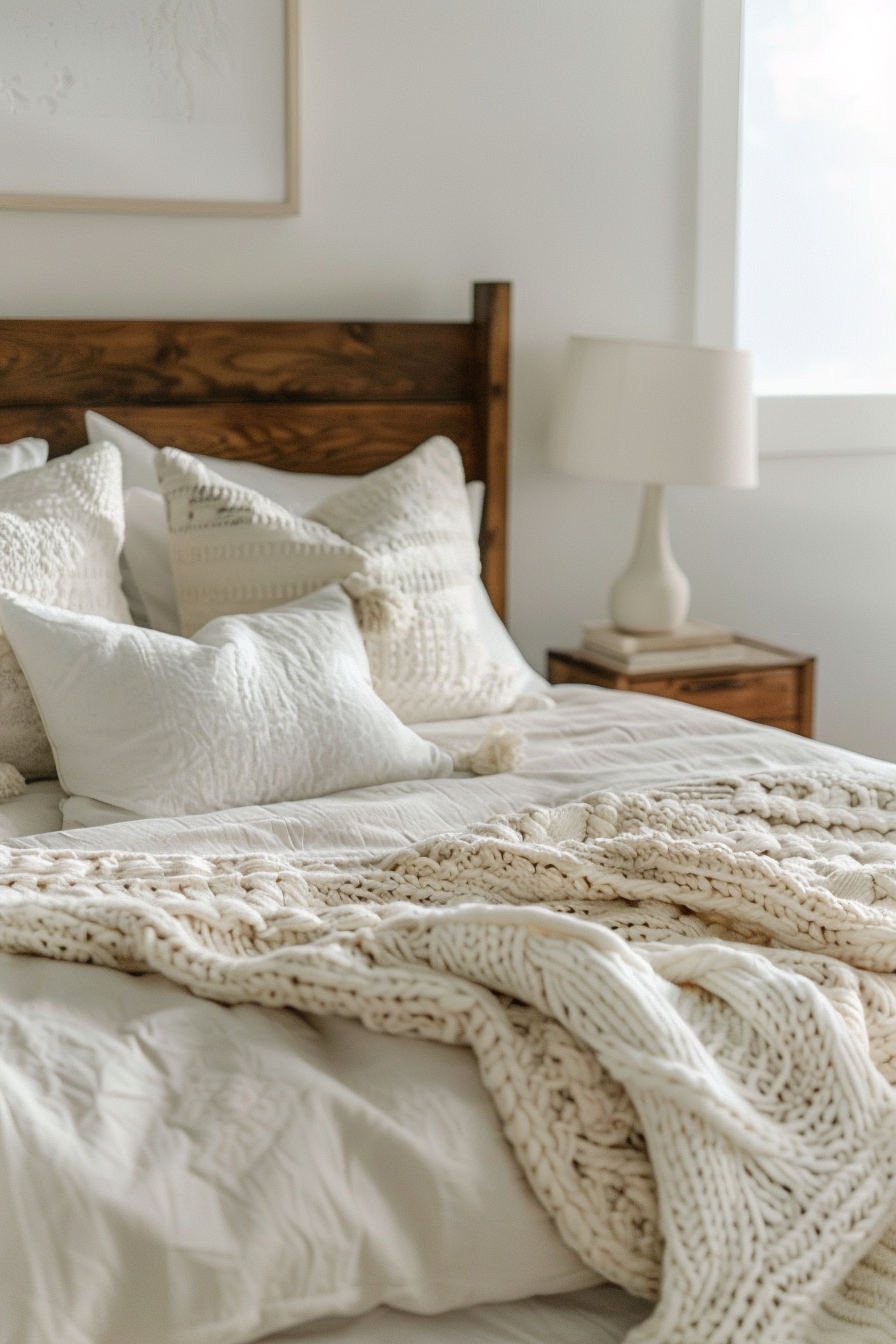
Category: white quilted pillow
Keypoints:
(254, 709)
(234, 550)
(61, 530)
(411, 520)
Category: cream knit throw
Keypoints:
(682, 1003)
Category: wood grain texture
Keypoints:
(772, 693)
(335, 397)
(781, 697)
(341, 440)
(169, 363)
(491, 318)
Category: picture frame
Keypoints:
(178, 145)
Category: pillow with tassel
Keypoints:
(400, 541)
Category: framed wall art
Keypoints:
(149, 106)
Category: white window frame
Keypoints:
(822, 426)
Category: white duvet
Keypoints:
(173, 1170)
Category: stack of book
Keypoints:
(693, 646)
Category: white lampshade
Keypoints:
(646, 411)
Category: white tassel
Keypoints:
(377, 605)
(11, 782)
(500, 751)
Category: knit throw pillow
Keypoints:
(401, 542)
(416, 594)
(235, 551)
(61, 531)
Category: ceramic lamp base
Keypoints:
(652, 596)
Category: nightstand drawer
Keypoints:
(773, 686)
(769, 695)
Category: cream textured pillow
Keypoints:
(411, 519)
(147, 579)
(400, 539)
(61, 529)
(254, 709)
(233, 550)
(153, 602)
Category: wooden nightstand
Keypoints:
(778, 693)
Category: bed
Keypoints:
(181, 1170)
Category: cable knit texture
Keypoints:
(61, 530)
(682, 1003)
(411, 519)
(234, 551)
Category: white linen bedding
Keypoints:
(592, 739)
(601, 1315)
(364, 1165)
(182, 1171)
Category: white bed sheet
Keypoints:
(601, 1315)
(175, 1171)
(592, 739)
(251, 1171)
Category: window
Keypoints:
(817, 255)
(796, 214)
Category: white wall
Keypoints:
(551, 142)
(808, 560)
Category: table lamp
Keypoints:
(657, 414)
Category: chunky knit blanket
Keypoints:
(682, 1002)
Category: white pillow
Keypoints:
(475, 500)
(265, 708)
(22, 455)
(61, 529)
(146, 535)
(148, 557)
(498, 641)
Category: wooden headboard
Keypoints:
(334, 397)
